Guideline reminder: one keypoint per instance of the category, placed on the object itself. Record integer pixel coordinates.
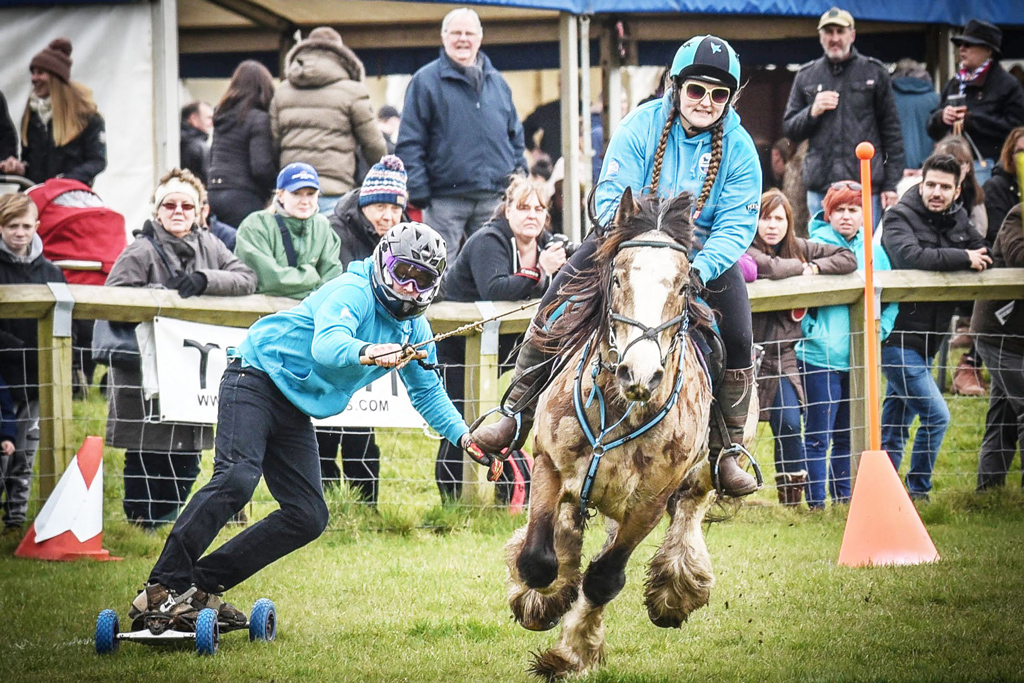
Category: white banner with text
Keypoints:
(191, 357)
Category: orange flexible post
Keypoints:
(865, 151)
(883, 526)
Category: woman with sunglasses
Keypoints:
(170, 252)
(295, 365)
(824, 352)
(690, 140)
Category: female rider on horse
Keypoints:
(689, 140)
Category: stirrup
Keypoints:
(504, 455)
(735, 449)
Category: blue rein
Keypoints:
(597, 443)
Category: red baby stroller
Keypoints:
(79, 233)
(84, 238)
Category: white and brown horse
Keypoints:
(624, 430)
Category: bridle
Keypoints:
(596, 437)
(648, 333)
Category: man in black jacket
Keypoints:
(987, 101)
(196, 126)
(927, 230)
(838, 101)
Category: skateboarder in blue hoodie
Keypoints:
(293, 365)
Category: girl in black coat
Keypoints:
(243, 172)
(512, 258)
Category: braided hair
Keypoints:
(716, 161)
(717, 133)
(659, 155)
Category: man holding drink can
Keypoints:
(982, 101)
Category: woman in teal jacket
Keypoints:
(690, 140)
(824, 352)
(293, 365)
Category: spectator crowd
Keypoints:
(283, 188)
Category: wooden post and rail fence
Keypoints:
(55, 305)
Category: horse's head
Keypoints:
(647, 291)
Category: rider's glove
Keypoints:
(494, 465)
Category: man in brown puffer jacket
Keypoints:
(322, 111)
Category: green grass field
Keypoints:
(415, 592)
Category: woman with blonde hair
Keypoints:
(511, 258)
(62, 132)
(967, 379)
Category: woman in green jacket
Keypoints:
(292, 248)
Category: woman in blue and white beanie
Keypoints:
(364, 214)
(361, 217)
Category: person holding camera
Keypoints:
(982, 101)
(511, 258)
(691, 140)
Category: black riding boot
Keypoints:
(531, 376)
(733, 397)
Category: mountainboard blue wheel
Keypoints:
(207, 632)
(106, 632)
(263, 621)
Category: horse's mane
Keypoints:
(588, 289)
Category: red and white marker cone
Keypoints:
(70, 525)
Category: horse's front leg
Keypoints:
(540, 609)
(680, 578)
(580, 647)
(606, 574)
(537, 562)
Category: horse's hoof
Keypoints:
(539, 625)
(667, 620)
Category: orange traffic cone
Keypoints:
(883, 526)
(70, 525)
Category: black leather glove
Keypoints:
(190, 284)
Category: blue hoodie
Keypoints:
(728, 222)
(826, 330)
(312, 351)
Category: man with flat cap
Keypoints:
(987, 102)
(837, 101)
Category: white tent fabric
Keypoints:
(112, 54)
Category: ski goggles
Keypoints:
(408, 273)
(696, 91)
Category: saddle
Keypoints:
(711, 351)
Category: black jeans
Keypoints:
(156, 485)
(259, 432)
(360, 459)
(727, 294)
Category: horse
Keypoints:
(636, 373)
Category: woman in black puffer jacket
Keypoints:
(243, 172)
